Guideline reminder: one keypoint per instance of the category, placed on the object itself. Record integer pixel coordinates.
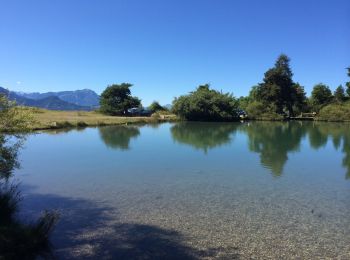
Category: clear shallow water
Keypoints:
(193, 190)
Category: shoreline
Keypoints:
(53, 119)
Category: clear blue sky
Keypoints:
(168, 47)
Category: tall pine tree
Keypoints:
(278, 87)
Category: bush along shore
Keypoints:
(276, 98)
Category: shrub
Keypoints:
(13, 118)
(205, 104)
(259, 111)
(335, 112)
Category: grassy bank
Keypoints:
(336, 112)
(48, 119)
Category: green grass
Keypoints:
(49, 119)
(336, 112)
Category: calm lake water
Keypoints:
(254, 190)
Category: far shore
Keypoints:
(52, 119)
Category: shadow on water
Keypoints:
(90, 231)
(118, 137)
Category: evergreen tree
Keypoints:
(278, 87)
(339, 94)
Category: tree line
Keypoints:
(276, 97)
(116, 100)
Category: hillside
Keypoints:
(48, 102)
(84, 97)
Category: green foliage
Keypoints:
(116, 99)
(348, 84)
(300, 102)
(205, 104)
(243, 102)
(321, 95)
(335, 112)
(259, 111)
(279, 89)
(348, 89)
(13, 118)
(8, 156)
(339, 94)
(155, 107)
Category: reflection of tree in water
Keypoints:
(8, 156)
(273, 141)
(203, 136)
(340, 134)
(61, 131)
(118, 137)
(317, 139)
(346, 150)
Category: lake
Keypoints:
(254, 190)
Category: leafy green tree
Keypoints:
(14, 118)
(116, 99)
(299, 99)
(348, 84)
(278, 87)
(243, 102)
(261, 111)
(205, 104)
(321, 95)
(339, 94)
(155, 106)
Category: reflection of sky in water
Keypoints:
(262, 186)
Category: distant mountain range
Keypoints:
(85, 99)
